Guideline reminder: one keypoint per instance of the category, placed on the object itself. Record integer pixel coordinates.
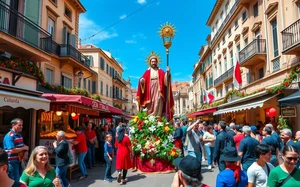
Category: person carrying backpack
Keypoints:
(223, 140)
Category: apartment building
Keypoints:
(180, 95)
(129, 98)
(252, 33)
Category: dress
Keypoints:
(123, 160)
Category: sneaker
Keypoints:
(108, 180)
(80, 178)
(119, 177)
(209, 167)
(124, 181)
(203, 159)
(112, 178)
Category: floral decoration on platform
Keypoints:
(151, 137)
(274, 90)
(31, 68)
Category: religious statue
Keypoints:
(154, 89)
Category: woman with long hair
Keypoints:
(209, 139)
(39, 172)
(123, 161)
(286, 174)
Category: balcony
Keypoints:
(67, 50)
(291, 39)
(118, 98)
(253, 53)
(224, 23)
(19, 30)
(118, 79)
(51, 46)
(225, 76)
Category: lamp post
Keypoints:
(80, 75)
(167, 33)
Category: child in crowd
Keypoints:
(108, 155)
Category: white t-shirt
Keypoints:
(259, 175)
(208, 136)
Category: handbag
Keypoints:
(287, 178)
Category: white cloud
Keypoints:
(87, 28)
(130, 41)
(123, 16)
(141, 1)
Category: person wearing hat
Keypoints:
(232, 176)
(189, 173)
(254, 133)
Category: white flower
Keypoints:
(145, 110)
(132, 130)
(152, 128)
(167, 123)
(160, 124)
(170, 137)
(146, 121)
(164, 153)
(152, 119)
(139, 146)
(142, 154)
(165, 144)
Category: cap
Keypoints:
(238, 128)
(253, 128)
(189, 165)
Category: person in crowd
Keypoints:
(286, 174)
(189, 173)
(232, 176)
(239, 136)
(209, 139)
(15, 148)
(81, 149)
(38, 171)
(4, 178)
(254, 133)
(184, 129)
(247, 148)
(178, 134)
(194, 146)
(123, 160)
(232, 131)
(297, 145)
(108, 155)
(91, 141)
(286, 136)
(216, 129)
(223, 140)
(61, 148)
(275, 136)
(259, 171)
(270, 141)
(202, 131)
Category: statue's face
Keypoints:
(153, 63)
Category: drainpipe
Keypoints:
(267, 38)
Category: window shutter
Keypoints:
(84, 83)
(94, 87)
(65, 35)
(73, 40)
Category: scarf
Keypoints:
(237, 171)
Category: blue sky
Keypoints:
(131, 40)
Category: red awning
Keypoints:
(202, 112)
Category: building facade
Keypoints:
(180, 95)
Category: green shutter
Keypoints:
(32, 12)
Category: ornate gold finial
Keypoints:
(167, 33)
(153, 55)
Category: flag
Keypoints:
(208, 97)
(237, 76)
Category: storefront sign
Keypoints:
(99, 105)
(24, 82)
(11, 100)
(288, 112)
(48, 143)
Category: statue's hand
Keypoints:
(142, 80)
(168, 69)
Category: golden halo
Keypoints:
(167, 30)
(153, 55)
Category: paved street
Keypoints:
(138, 179)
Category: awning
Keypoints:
(248, 105)
(126, 116)
(290, 100)
(202, 112)
(16, 100)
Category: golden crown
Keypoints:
(151, 56)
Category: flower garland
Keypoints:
(152, 137)
(276, 89)
(31, 68)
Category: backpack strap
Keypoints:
(268, 168)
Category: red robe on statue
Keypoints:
(144, 97)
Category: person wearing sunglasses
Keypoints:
(5, 180)
(286, 174)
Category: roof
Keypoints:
(214, 12)
(178, 85)
(78, 5)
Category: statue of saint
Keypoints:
(153, 87)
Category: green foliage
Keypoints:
(282, 124)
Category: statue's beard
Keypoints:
(154, 66)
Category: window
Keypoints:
(216, 70)
(84, 83)
(106, 90)
(231, 58)
(51, 26)
(49, 76)
(274, 37)
(226, 8)
(227, 88)
(221, 92)
(236, 23)
(66, 81)
(101, 87)
(102, 63)
(221, 16)
(218, 46)
(110, 93)
(244, 16)
(107, 68)
(223, 39)
(298, 5)
(68, 12)
(53, 1)
(89, 85)
(255, 9)
(246, 41)
(220, 68)
(225, 63)
(229, 32)
(261, 73)
(238, 48)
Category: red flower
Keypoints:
(157, 139)
(174, 149)
(144, 151)
(139, 127)
(287, 84)
(159, 118)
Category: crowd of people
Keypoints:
(252, 156)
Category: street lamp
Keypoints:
(167, 33)
(80, 75)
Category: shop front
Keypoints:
(204, 114)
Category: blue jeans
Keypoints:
(62, 172)
(91, 155)
(81, 164)
(107, 174)
(14, 170)
(197, 155)
(209, 154)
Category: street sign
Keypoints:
(288, 112)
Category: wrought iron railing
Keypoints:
(224, 76)
(20, 27)
(70, 51)
(51, 46)
(229, 15)
(291, 35)
(257, 46)
(119, 79)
